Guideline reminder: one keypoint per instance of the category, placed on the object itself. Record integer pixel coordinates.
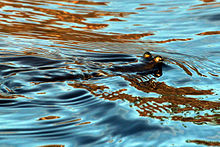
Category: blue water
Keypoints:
(58, 86)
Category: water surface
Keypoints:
(57, 86)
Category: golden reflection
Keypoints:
(12, 96)
(49, 117)
(92, 26)
(209, 33)
(83, 123)
(203, 142)
(170, 40)
(46, 23)
(205, 5)
(78, 123)
(214, 75)
(208, 0)
(195, 69)
(140, 8)
(41, 93)
(172, 103)
(84, 2)
(115, 19)
(162, 88)
(52, 145)
(3, 96)
(183, 67)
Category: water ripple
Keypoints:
(73, 73)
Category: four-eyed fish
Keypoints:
(148, 65)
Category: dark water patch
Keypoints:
(73, 94)
(114, 60)
(95, 140)
(44, 103)
(24, 105)
(17, 88)
(62, 130)
(3, 102)
(6, 67)
(3, 45)
(104, 55)
(32, 61)
(54, 78)
(10, 71)
(100, 110)
(78, 98)
(18, 104)
(83, 100)
(48, 132)
(64, 77)
(215, 17)
(28, 70)
(130, 127)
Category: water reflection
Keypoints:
(73, 73)
(58, 28)
(172, 101)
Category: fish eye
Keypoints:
(147, 55)
(158, 59)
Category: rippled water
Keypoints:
(58, 86)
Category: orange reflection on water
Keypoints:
(49, 117)
(172, 101)
(170, 40)
(12, 96)
(84, 2)
(78, 123)
(204, 142)
(208, 0)
(209, 33)
(162, 88)
(53, 25)
(115, 19)
(83, 123)
(205, 5)
(52, 145)
(7, 96)
(140, 8)
(200, 119)
(183, 67)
